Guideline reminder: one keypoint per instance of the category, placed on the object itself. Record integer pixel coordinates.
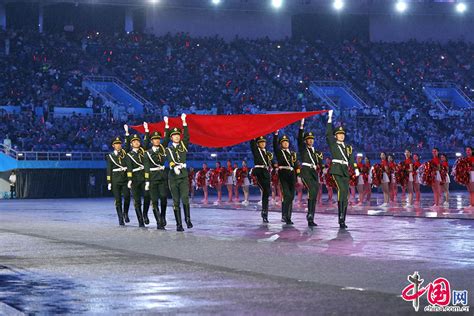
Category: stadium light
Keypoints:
(216, 2)
(213, 155)
(277, 4)
(153, 1)
(338, 5)
(401, 6)
(458, 155)
(461, 7)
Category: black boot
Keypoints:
(177, 216)
(310, 216)
(288, 214)
(146, 207)
(265, 216)
(187, 215)
(120, 215)
(340, 211)
(126, 206)
(163, 212)
(284, 209)
(156, 212)
(344, 212)
(139, 215)
(145, 216)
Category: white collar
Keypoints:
(341, 143)
(135, 150)
(155, 148)
(116, 153)
(175, 144)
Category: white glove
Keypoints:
(302, 123)
(183, 118)
(125, 127)
(129, 184)
(147, 186)
(109, 186)
(276, 132)
(330, 116)
(145, 125)
(166, 122)
(177, 170)
(357, 172)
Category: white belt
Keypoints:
(157, 168)
(261, 166)
(138, 169)
(286, 168)
(309, 165)
(342, 162)
(119, 169)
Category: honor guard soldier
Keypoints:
(262, 162)
(286, 174)
(178, 175)
(342, 158)
(136, 175)
(156, 181)
(117, 180)
(311, 161)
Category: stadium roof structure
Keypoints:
(424, 7)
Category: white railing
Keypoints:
(120, 83)
(344, 85)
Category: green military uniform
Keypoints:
(286, 175)
(342, 158)
(310, 159)
(136, 173)
(155, 176)
(262, 161)
(117, 177)
(178, 177)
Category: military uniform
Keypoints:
(286, 175)
(262, 161)
(156, 178)
(311, 160)
(342, 158)
(178, 177)
(136, 173)
(117, 177)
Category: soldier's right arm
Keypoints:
(275, 143)
(166, 137)
(126, 147)
(329, 134)
(300, 139)
(109, 169)
(253, 147)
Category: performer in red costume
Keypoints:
(470, 186)
(202, 181)
(435, 186)
(229, 180)
(216, 180)
(367, 180)
(408, 164)
(445, 180)
(385, 179)
(416, 178)
(393, 181)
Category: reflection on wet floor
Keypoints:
(69, 256)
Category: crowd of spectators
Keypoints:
(178, 73)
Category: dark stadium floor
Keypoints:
(69, 256)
